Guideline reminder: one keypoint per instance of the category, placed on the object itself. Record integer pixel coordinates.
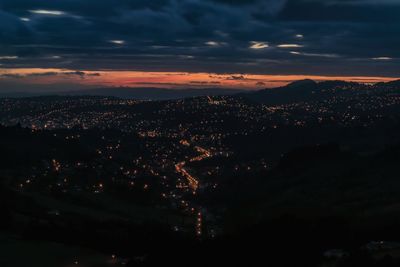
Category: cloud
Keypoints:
(261, 84)
(80, 74)
(212, 43)
(11, 75)
(47, 12)
(204, 82)
(237, 78)
(314, 54)
(117, 42)
(334, 37)
(8, 57)
(258, 45)
(41, 74)
(382, 58)
(289, 46)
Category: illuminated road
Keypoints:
(192, 181)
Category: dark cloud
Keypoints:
(335, 37)
(261, 84)
(237, 78)
(11, 75)
(341, 11)
(80, 74)
(50, 73)
(204, 82)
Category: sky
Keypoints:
(246, 44)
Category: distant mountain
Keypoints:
(154, 93)
(19, 94)
(309, 90)
(134, 93)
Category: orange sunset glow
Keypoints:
(167, 79)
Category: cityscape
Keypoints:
(179, 163)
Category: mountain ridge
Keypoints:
(143, 93)
(310, 90)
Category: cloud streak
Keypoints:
(47, 12)
(80, 74)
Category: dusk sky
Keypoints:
(70, 44)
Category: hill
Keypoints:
(309, 90)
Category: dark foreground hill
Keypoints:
(316, 198)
